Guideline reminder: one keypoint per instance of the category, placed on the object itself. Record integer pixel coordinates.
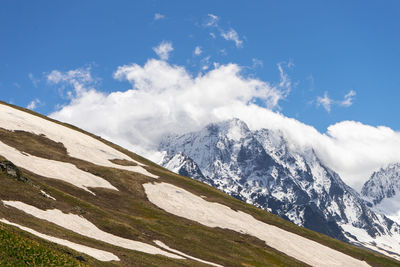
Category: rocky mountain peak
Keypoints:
(262, 168)
(384, 183)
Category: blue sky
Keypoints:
(324, 47)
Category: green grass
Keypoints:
(16, 250)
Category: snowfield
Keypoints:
(84, 227)
(66, 172)
(101, 255)
(161, 244)
(182, 203)
(383, 244)
(78, 145)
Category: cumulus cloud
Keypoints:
(326, 102)
(163, 50)
(232, 35)
(166, 98)
(197, 50)
(33, 104)
(158, 16)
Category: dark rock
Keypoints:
(9, 168)
(81, 258)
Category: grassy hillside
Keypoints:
(128, 213)
(18, 248)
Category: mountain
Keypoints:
(69, 197)
(264, 169)
(183, 165)
(383, 191)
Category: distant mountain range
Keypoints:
(262, 168)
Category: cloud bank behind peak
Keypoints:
(166, 98)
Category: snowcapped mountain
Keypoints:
(261, 168)
(183, 165)
(383, 191)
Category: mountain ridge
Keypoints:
(260, 168)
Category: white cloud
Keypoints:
(197, 50)
(33, 104)
(205, 62)
(165, 98)
(285, 83)
(348, 99)
(256, 63)
(163, 50)
(158, 16)
(229, 35)
(33, 79)
(79, 79)
(232, 35)
(327, 102)
(212, 20)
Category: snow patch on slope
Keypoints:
(46, 195)
(78, 145)
(161, 244)
(98, 254)
(84, 227)
(66, 172)
(182, 203)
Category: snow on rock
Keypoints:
(66, 172)
(78, 145)
(384, 244)
(182, 203)
(161, 244)
(84, 227)
(390, 207)
(383, 191)
(183, 165)
(263, 168)
(43, 193)
(98, 254)
(384, 183)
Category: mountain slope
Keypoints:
(383, 191)
(262, 168)
(107, 208)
